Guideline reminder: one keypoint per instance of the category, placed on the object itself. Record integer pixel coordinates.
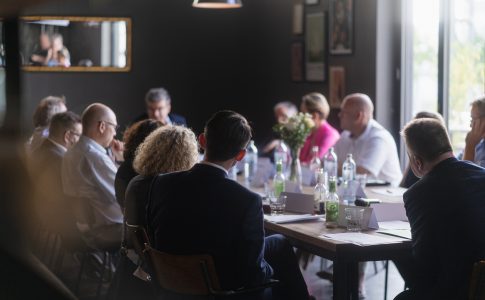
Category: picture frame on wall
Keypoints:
(337, 86)
(297, 61)
(312, 2)
(315, 47)
(341, 27)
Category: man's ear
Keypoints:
(418, 162)
(67, 137)
(202, 141)
(240, 155)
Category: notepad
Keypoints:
(359, 238)
(291, 218)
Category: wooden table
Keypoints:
(345, 256)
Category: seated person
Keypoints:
(445, 209)
(408, 177)
(132, 138)
(323, 134)
(158, 105)
(282, 111)
(88, 174)
(167, 149)
(58, 55)
(203, 211)
(47, 108)
(51, 204)
(39, 55)
(372, 146)
(474, 142)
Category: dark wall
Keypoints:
(207, 59)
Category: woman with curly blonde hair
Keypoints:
(167, 149)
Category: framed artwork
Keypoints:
(315, 47)
(341, 27)
(337, 86)
(312, 2)
(297, 61)
(298, 19)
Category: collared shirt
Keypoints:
(88, 172)
(480, 153)
(215, 166)
(375, 150)
(62, 148)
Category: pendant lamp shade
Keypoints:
(217, 4)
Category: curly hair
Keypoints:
(136, 134)
(167, 149)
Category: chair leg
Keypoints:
(376, 270)
(386, 277)
(81, 269)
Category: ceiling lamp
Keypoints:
(217, 4)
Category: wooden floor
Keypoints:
(322, 289)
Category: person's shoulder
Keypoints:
(177, 119)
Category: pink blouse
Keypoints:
(324, 137)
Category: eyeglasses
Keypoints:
(115, 126)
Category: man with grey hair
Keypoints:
(158, 105)
(445, 209)
(372, 146)
(474, 143)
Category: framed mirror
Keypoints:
(67, 44)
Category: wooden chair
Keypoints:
(477, 284)
(192, 275)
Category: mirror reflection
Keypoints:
(75, 44)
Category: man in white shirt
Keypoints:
(89, 173)
(372, 146)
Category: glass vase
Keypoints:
(295, 167)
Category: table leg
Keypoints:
(345, 280)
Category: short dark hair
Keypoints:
(136, 134)
(62, 122)
(426, 138)
(156, 95)
(227, 133)
(47, 107)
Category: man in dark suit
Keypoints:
(446, 210)
(203, 211)
(64, 132)
(158, 105)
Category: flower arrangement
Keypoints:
(294, 133)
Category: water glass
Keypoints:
(277, 204)
(354, 216)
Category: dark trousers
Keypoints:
(280, 255)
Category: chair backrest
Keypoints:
(137, 237)
(477, 284)
(184, 274)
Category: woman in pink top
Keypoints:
(323, 135)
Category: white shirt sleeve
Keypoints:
(373, 156)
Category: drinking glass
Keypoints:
(354, 216)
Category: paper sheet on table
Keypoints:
(390, 191)
(394, 225)
(291, 218)
(359, 238)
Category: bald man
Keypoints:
(372, 146)
(89, 173)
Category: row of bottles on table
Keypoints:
(327, 200)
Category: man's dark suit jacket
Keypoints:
(51, 204)
(446, 210)
(201, 211)
(176, 119)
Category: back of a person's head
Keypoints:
(479, 103)
(429, 114)
(93, 114)
(226, 133)
(316, 103)
(289, 106)
(48, 107)
(426, 138)
(136, 134)
(62, 122)
(156, 95)
(167, 149)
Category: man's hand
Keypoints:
(117, 148)
(473, 138)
